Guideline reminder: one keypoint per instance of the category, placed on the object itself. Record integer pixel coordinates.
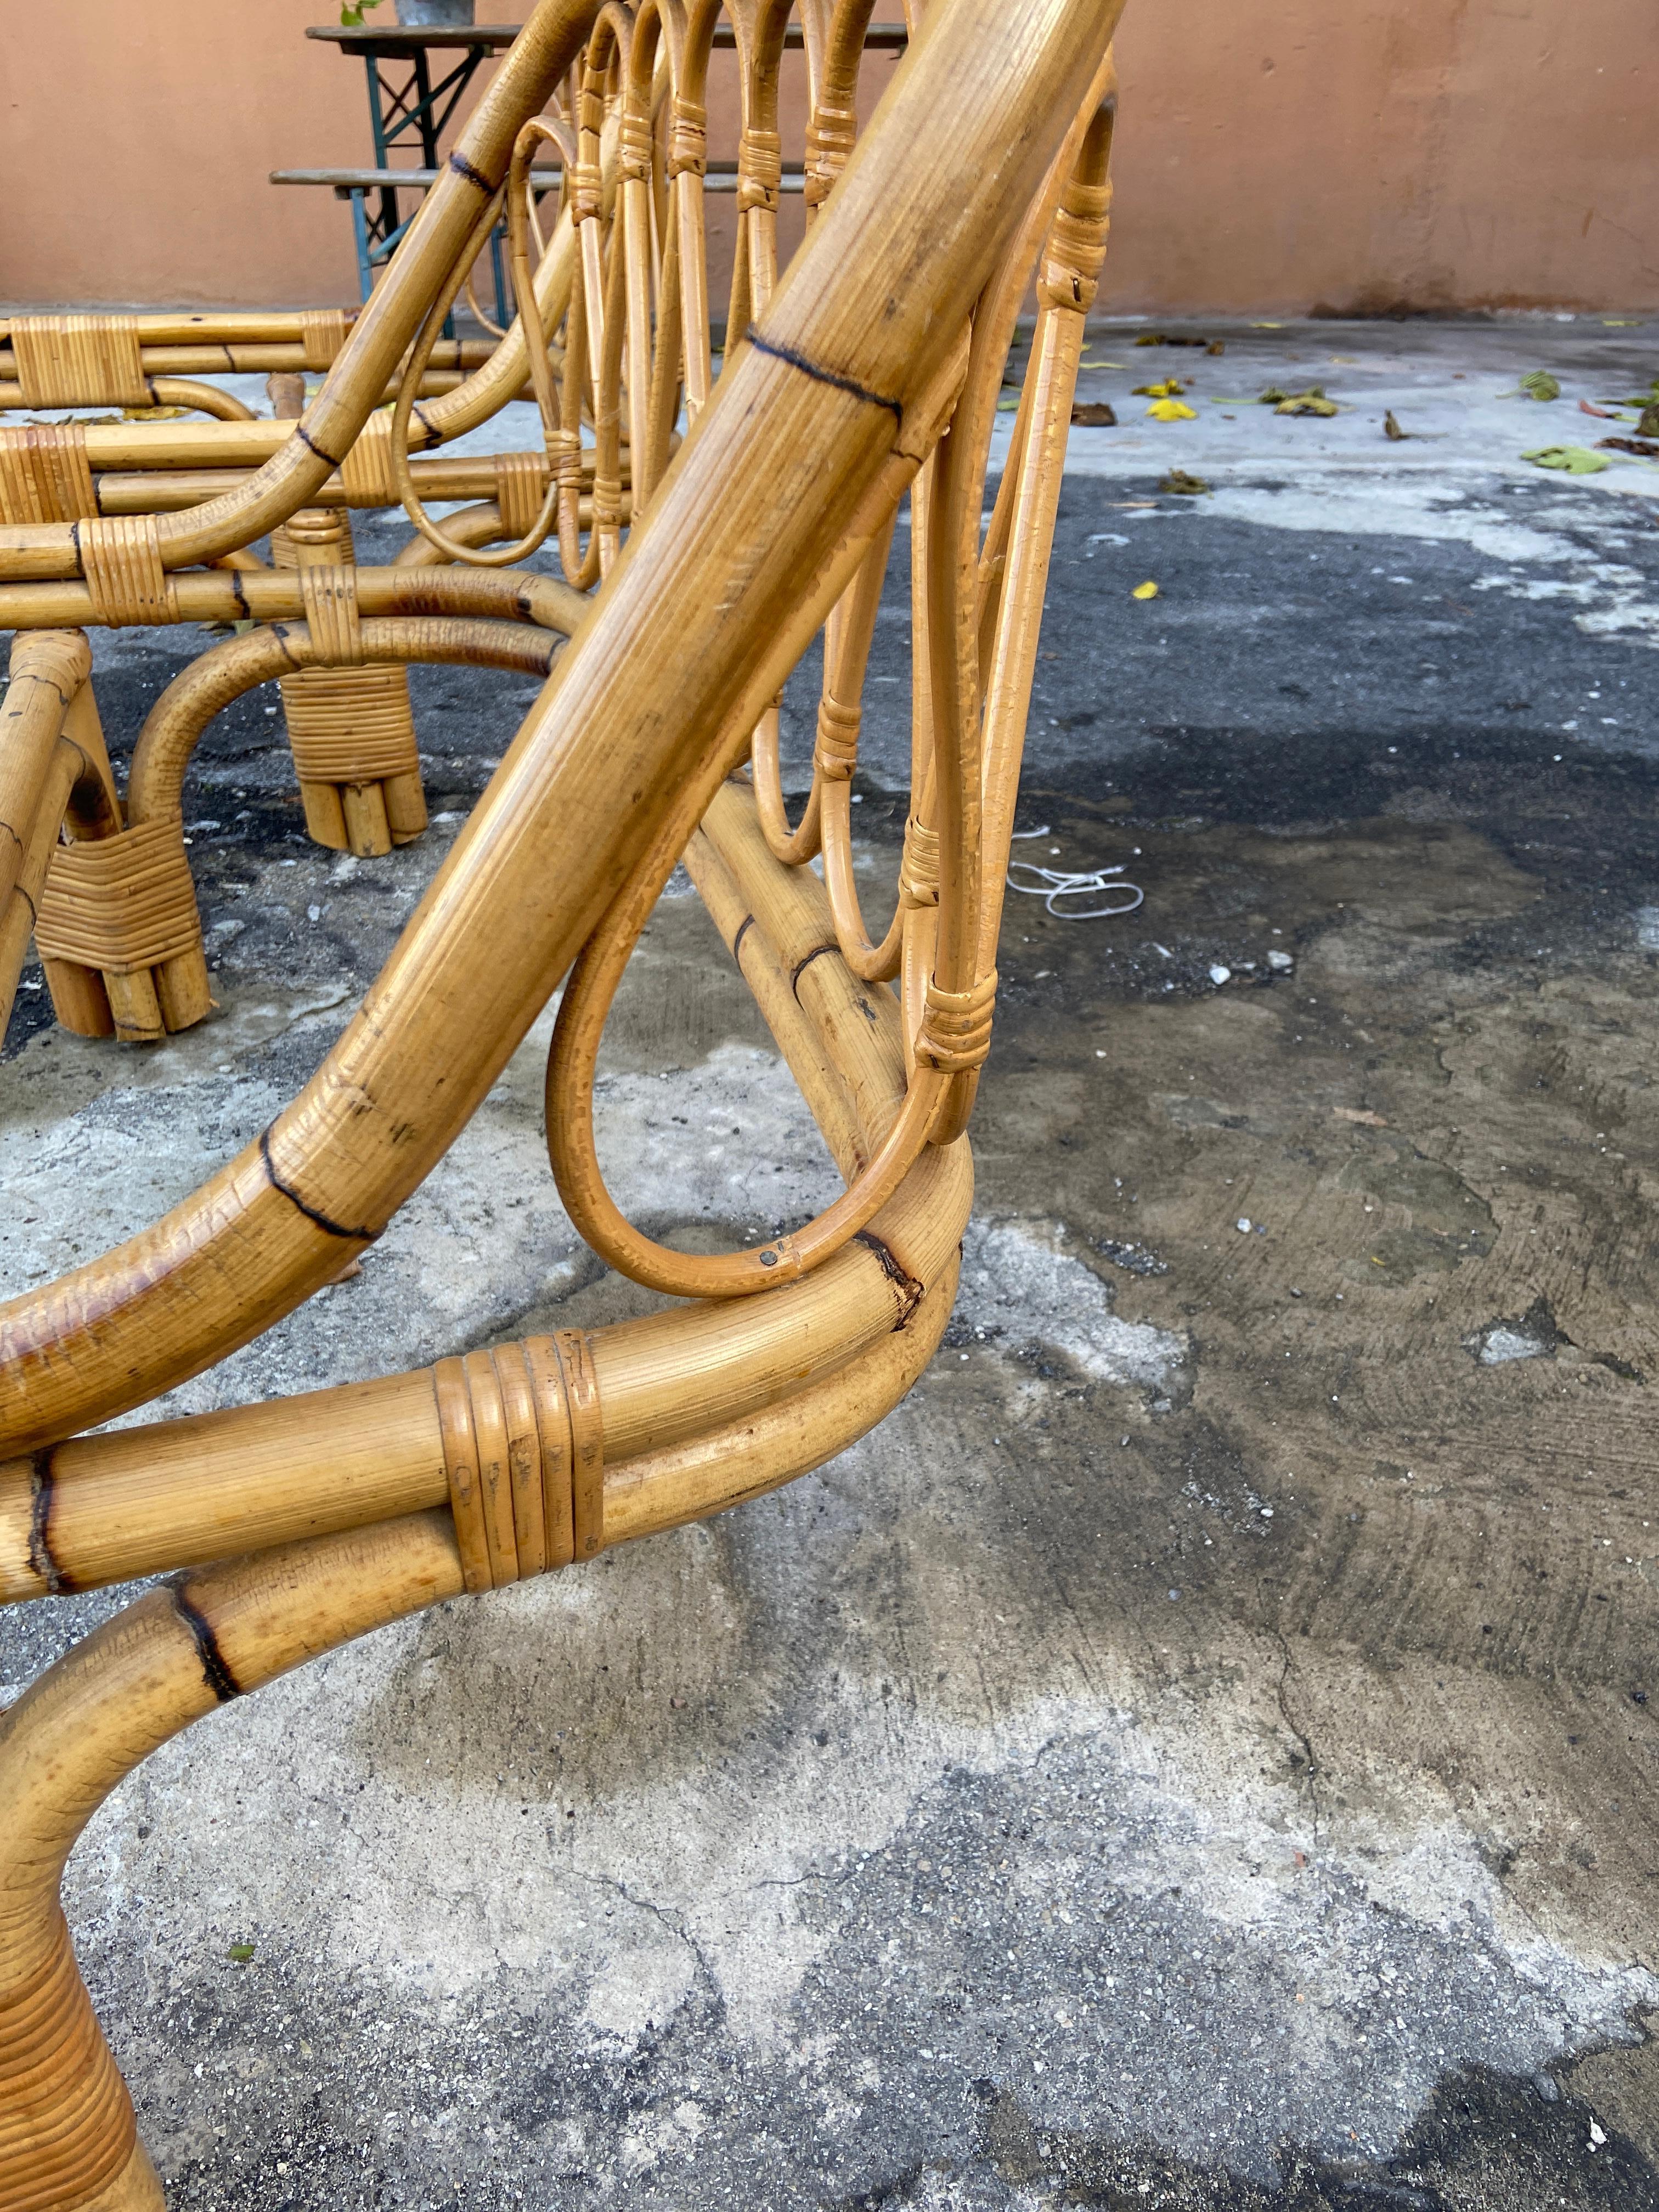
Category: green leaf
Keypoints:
(1576, 460)
(1178, 480)
(1539, 384)
(240, 1954)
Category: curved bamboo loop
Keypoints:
(533, 134)
(175, 724)
(571, 1065)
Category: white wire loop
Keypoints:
(1051, 885)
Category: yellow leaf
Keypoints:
(1171, 410)
(1148, 590)
(1167, 390)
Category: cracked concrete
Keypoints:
(1200, 1751)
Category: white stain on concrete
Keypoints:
(1019, 1281)
(1501, 1344)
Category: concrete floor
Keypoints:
(1200, 1751)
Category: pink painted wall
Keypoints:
(1273, 155)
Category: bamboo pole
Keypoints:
(275, 595)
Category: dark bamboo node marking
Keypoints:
(216, 1670)
(239, 593)
(805, 961)
(908, 1291)
(824, 375)
(333, 1228)
(462, 167)
(744, 928)
(33, 675)
(41, 1484)
(311, 447)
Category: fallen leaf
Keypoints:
(1310, 402)
(1147, 591)
(1167, 390)
(1216, 346)
(1178, 481)
(1646, 447)
(1150, 337)
(154, 414)
(1605, 414)
(1391, 427)
(1649, 425)
(1266, 326)
(1007, 407)
(1160, 338)
(1171, 410)
(1093, 414)
(1576, 460)
(240, 1952)
(1539, 384)
(1360, 1114)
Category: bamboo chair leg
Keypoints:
(38, 769)
(55, 777)
(352, 730)
(117, 929)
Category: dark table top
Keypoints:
(394, 39)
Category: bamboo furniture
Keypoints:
(153, 360)
(869, 373)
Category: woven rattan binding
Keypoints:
(79, 360)
(366, 472)
(119, 904)
(56, 2066)
(323, 332)
(45, 475)
(520, 487)
(523, 1454)
(350, 725)
(351, 728)
(121, 560)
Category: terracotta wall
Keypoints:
(1275, 156)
